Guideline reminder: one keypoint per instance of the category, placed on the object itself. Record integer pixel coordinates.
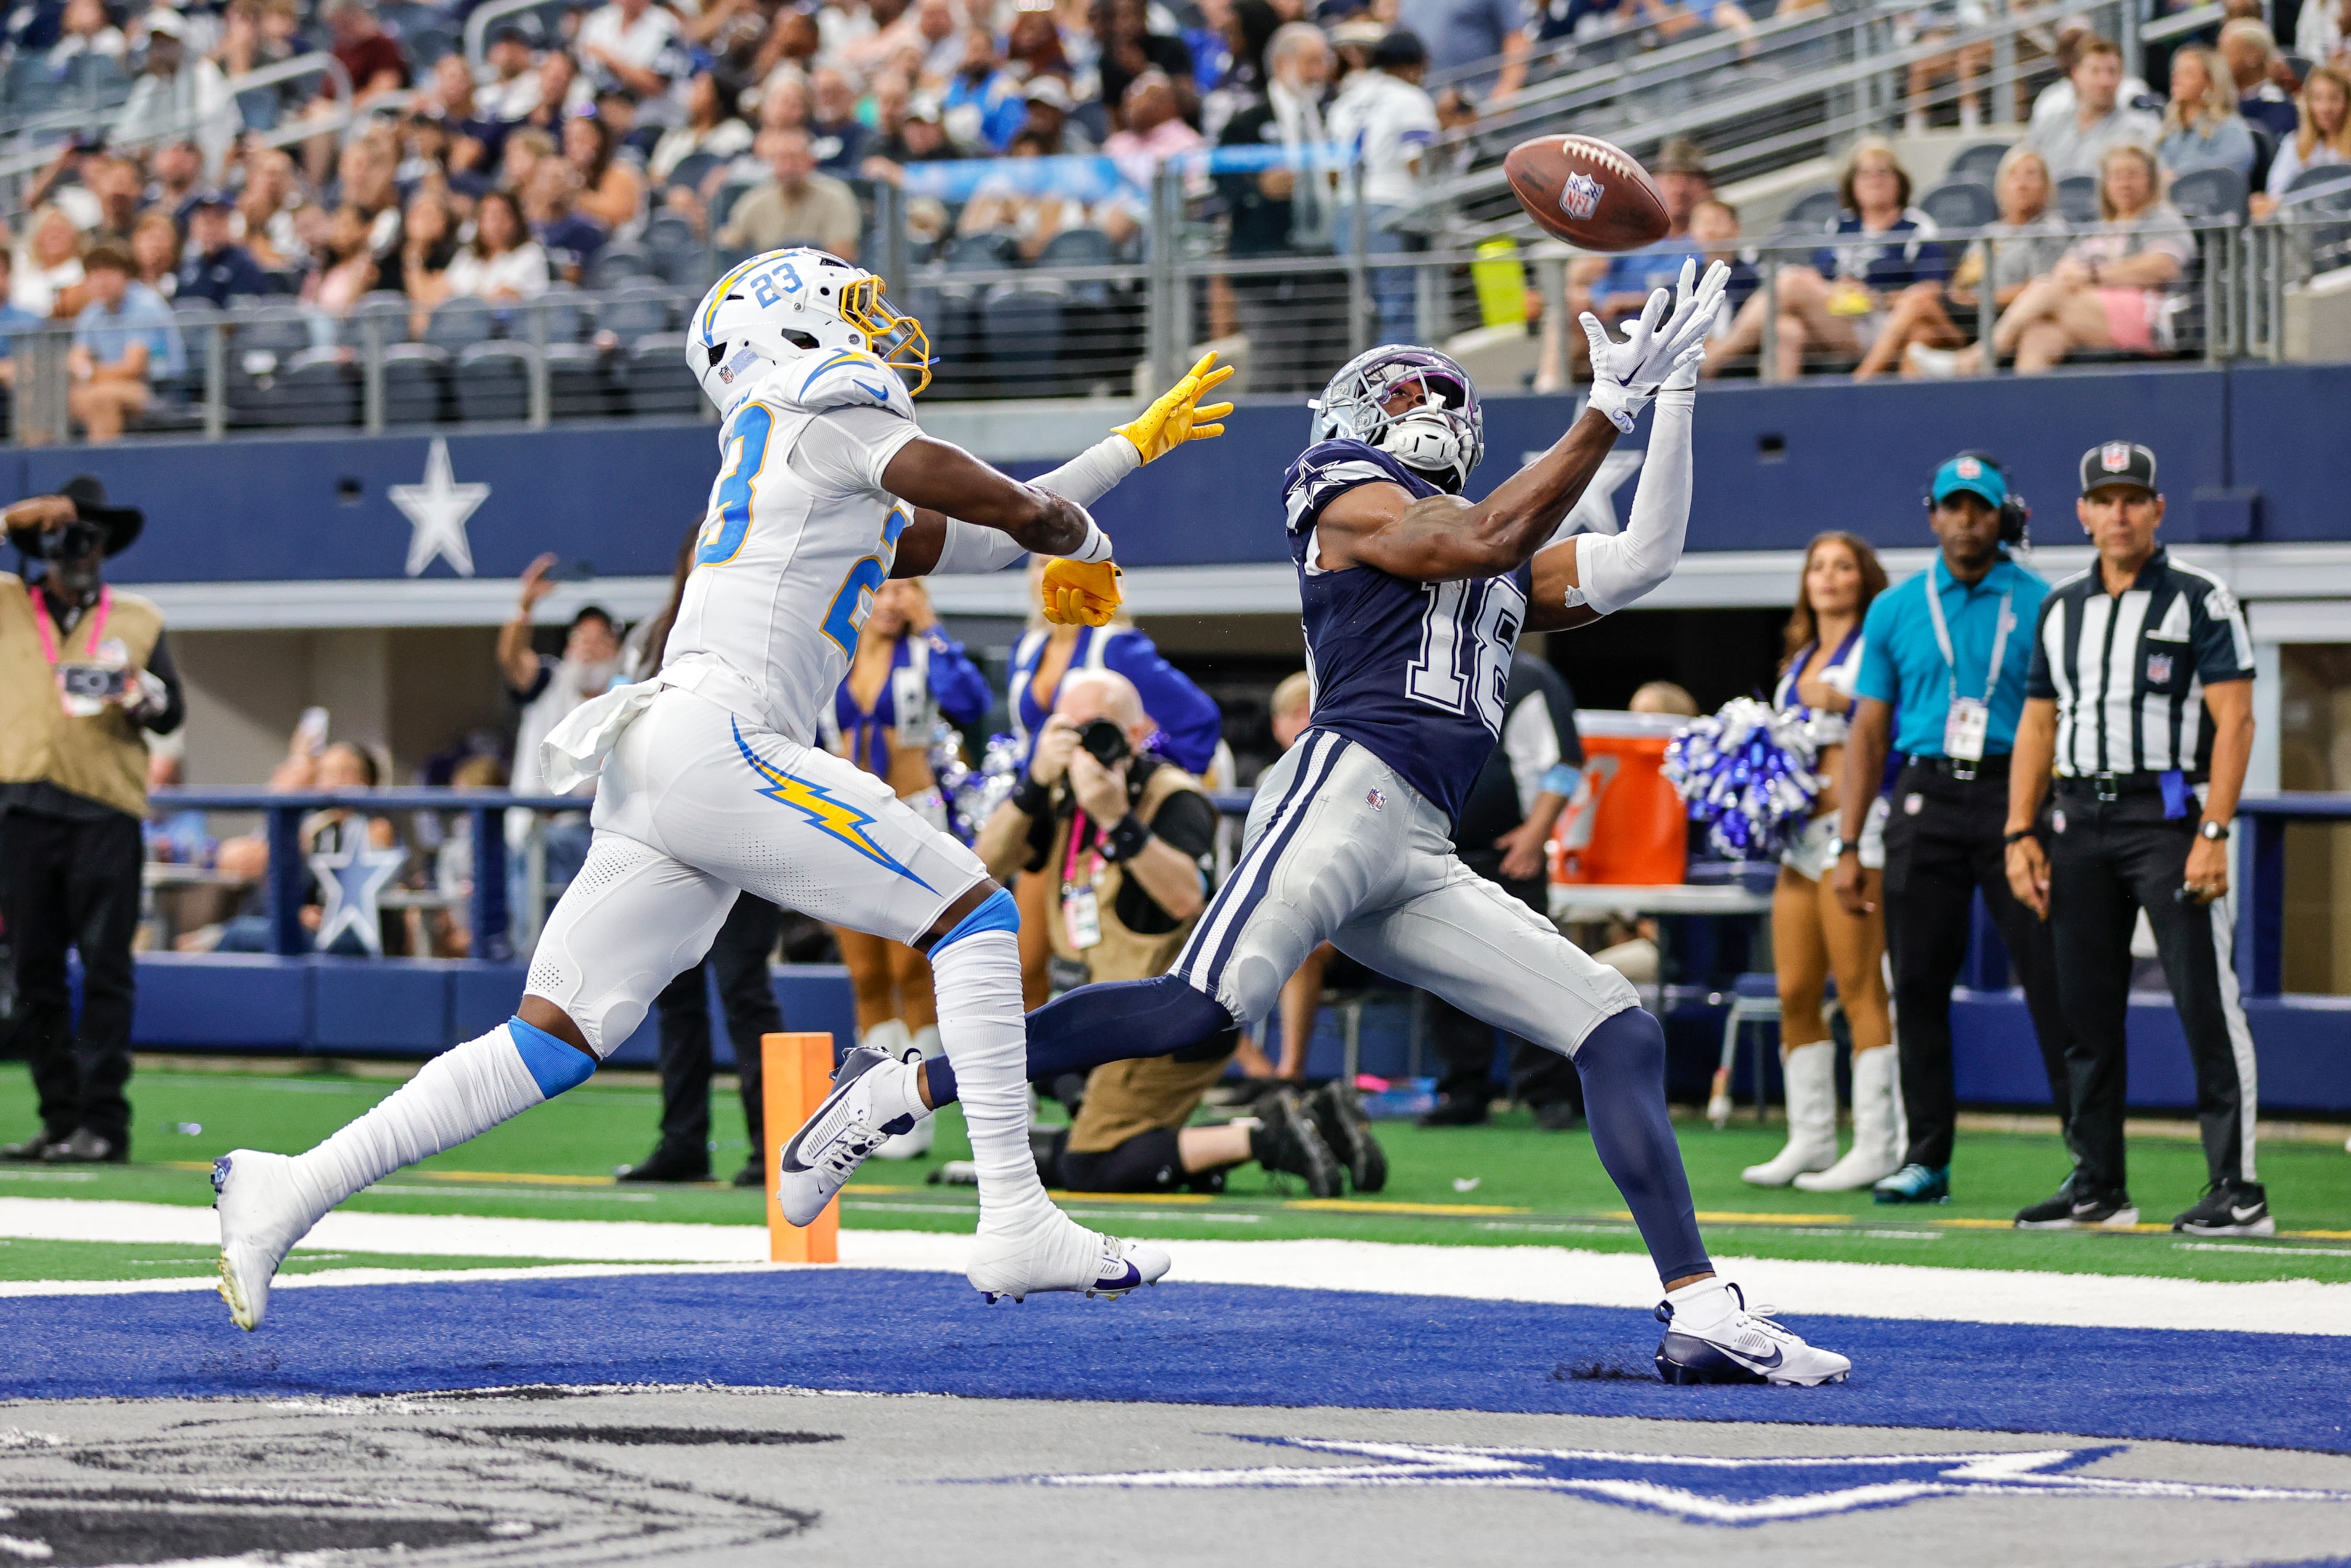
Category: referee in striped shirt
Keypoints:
(2140, 700)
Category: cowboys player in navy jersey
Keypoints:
(1415, 598)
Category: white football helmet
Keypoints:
(775, 307)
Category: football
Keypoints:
(1586, 191)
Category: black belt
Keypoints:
(2110, 786)
(1993, 766)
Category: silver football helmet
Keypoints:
(1443, 437)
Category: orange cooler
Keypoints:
(1625, 824)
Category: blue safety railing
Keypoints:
(2260, 873)
(289, 864)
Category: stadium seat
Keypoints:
(2333, 178)
(658, 381)
(617, 261)
(576, 386)
(267, 333)
(99, 78)
(1979, 164)
(318, 387)
(196, 317)
(493, 382)
(1022, 326)
(692, 170)
(1815, 209)
(563, 308)
(427, 45)
(1961, 204)
(1077, 248)
(415, 384)
(456, 324)
(2077, 198)
(676, 253)
(722, 201)
(387, 312)
(639, 307)
(2211, 193)
(981, 253)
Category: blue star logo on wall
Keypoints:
(1596, 511)
(1697, 1488)
(352, 880)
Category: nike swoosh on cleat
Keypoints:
(2242, 1215)
(1757, 1362)
(1128, 1278)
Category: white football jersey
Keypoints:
(799, 536)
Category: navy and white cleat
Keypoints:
(1743, 1347)
(845, 1131)
(1062, 1256)
(262, 1215)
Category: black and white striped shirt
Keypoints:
(2128, 671)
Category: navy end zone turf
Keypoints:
(887, 1331)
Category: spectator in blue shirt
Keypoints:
(215, 266)
(984, 105)
(1466, 32)
(1881, 247)
(2201, 127)
(124, 340)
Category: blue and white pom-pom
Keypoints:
(1747, 773)
(973, 794)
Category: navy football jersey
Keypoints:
(1414, 671)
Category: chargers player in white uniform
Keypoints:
(1413, 598)
(712, 780)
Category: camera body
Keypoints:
(92, 681)
(1104, 741)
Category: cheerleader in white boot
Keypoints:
(1811, 934)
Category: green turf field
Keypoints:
(1503, 1185)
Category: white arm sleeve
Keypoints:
(969, 547)
(1085, 479)
(1616, 570)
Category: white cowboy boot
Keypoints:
(1810, 1072)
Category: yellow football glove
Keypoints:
(1177, 417)
(1080, 592)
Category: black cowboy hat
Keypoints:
(122, 523)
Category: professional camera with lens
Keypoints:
(92, 681)
(1105, 741)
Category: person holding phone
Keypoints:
(85, 677)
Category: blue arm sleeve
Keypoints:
(958, 684)
(1183, 713)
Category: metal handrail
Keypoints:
(300, 65)
(477, 25)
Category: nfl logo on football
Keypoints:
(1579, 198)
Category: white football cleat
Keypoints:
(262, 1215)
(1062, 1255)
(846, 1130)
(1741, 1346)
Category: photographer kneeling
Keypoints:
(1126, 834)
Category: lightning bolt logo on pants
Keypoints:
(838, 817)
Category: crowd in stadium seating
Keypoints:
(655, 138)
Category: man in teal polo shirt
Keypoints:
(1942, 679)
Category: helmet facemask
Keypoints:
(898, 341)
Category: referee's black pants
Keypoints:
(2107, 861)
(68, 882)
(1465, 1043)
(738, 956)
(1943, 845)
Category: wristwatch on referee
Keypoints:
(1838, 848)
(2216, 831)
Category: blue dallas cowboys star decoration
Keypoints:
(1697, 1488)
(351, 882)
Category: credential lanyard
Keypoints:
(1943, 638)
(41, 623)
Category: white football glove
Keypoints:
(1657, 349)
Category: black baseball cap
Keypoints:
(2118, 463)
(1399, 48)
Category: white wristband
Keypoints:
(1095, 547)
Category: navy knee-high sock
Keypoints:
(1623, 1065)
(1115, 1021)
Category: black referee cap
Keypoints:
(2118, 463)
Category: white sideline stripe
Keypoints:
(1561, 1276)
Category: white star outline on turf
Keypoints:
(437, 511)
(1696, 1488)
